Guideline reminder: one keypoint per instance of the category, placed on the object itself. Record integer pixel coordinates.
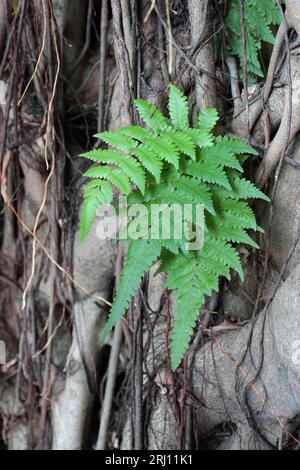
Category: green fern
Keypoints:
(171, 163)
(178, 109)
(142, 254)
(260, 15)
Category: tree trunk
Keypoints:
(71, 69)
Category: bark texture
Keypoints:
(69, 69)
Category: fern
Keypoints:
(260, 15)
(166, 164)
(178, 109)
(140, 257)
(151, 116)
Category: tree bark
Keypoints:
(60, 389)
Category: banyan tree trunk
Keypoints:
(67, 70)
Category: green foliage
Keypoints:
(170, 163)
(259, 16)
(142, 254)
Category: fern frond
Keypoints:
(141, 255)
(207, 282)
(201, 138)
(136, 132)
(237, 146)
(120, 180)
(223, 253)
(170, 165)
(244, 189)
(180, 271)
(183, 142)
(195, 191)
(128, 165)
(189, 297)
(117, 177)
(207, 119)
(207, 171)
(178, 108)
(164, 147)
(258, 15)
(221, 157)
(267, 9)
(243, 221)
(117, 140)
(150, 160)
(186, 313)
(231, 235)
(96, 194)
(151, 115)
(214, 267)
(174, 246)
